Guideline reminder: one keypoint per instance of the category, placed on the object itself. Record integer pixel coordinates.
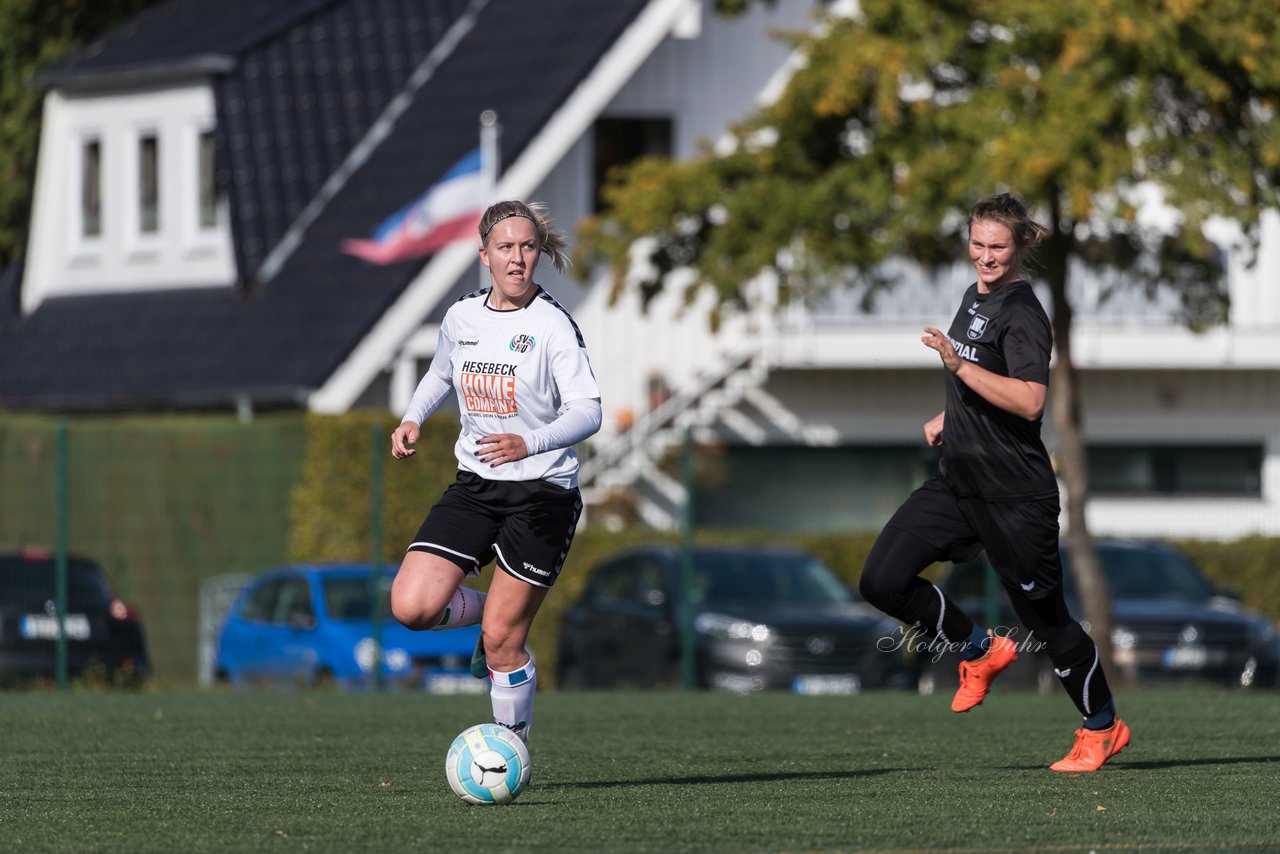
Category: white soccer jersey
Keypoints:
(512, 371)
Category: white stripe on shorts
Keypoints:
(506, 565)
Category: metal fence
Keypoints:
(161, 503)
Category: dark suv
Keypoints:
(104, 635)
(763, 619)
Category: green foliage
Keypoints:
(332, 513)
(33, 34)
(1249, 567)
(906, 114)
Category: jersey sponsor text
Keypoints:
(492, 394)
(965, 351)
(489, 368)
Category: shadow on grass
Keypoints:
(1122, 764)
(724, 778)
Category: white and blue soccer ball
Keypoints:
(487, 764)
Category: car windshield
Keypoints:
(745, 578)
(26, 580)
(1142, 572)
(1147, 573)
(346, 597)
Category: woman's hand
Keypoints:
(933, 429)
(935, 340)
(402, 438)
(498, 448)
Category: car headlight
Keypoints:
(1122, 638)
(732, 628)
(366, 651)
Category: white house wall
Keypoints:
(717, 80)
(703, 84)
(1187, 407)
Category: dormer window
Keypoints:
(91, 188)
(129, 175)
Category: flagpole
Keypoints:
(489, 130)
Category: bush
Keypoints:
(331, 515)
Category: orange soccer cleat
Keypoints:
(976, 676)
(1094, 747)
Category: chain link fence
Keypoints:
(160, 503)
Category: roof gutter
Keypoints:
(132, 76)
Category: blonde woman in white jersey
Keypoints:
(526, 394)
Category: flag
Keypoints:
(448, 211)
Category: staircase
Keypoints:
(714, 402)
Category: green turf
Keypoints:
(632, 772)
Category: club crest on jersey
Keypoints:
(977, 326)
(522, 343)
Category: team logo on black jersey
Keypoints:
(522, 343)
(977, 326)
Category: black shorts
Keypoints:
(526, 525)
(1020, 537)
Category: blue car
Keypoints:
(313, 625)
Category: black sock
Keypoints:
(1086, 684)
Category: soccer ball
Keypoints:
(487, 764)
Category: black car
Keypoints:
(104, 635)
(763, 619)
(1169, 623)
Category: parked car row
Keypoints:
(777, 619)
(760, 618)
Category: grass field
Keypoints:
(633, 772)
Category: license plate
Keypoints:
(454, 683)
(44, 627)
(1186, 657)
(825, 684)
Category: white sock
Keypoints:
(512, 697)
(464, 609)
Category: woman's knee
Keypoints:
(411, 611)
(877, 588)
(893, 565)
(421, 592)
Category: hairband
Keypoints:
(485, 236)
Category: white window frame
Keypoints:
(87, 248)
(142, 245)
(197, 238)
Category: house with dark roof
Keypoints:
(202, 166)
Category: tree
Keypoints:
(34, 34)
(906, 113)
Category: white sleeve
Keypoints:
(435, 384)
(580, 419)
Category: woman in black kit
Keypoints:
(995, 489)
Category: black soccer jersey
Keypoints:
(987, 452)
